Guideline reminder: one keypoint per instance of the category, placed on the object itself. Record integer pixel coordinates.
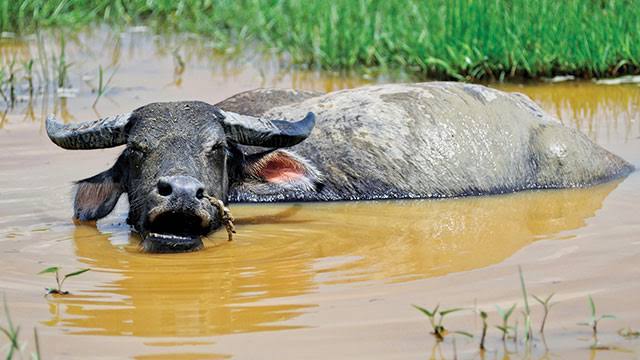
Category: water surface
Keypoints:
(290, 264)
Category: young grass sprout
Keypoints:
(28, 71)
(103, 86)
(11, 332)
(439, 331)
(483, 316)
(58, 290)
(594, 320)
(2, 82)
(546, 304)
(179, 64)
(12, 81)
(62, 66)
(527, 311)
(36, 356)
(505, 328)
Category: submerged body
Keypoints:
(377, 142)
(429, 140)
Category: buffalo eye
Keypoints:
(138, 148)
(137, 153)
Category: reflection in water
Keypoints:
(187, 295)
(287, 250)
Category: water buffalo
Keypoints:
(378, 142)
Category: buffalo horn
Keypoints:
(250, 130)
(96, 134)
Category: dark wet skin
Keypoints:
(177, 156)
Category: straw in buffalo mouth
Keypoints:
(224, 213)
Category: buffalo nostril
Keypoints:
(164, 188)
(200, 193)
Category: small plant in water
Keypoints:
(546, 304)
(527, 311)
(11, 81)
(593, 321)
(178, 61)
(505, 328)
(11, 332)
(28, 71)
(59, 282)
(483, 316)
(61, 65)
(103, 85)
(439, 331)
(2, 81)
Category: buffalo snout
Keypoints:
(179, 215)
(180, 187)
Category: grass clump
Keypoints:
(60, 281)
(42, 73)
(436, 317)
(453, 39)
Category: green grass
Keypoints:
(505, 328)
(526, 313)
(546, 305)
(458, 39)
(60, 280)
(436, 318)
(593, 322)
(11, 332)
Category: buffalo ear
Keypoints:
(96, 196)
(278, 170)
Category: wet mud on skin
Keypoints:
(312, 281)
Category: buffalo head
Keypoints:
(176, 153)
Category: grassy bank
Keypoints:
(460, 39)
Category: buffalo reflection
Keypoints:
(250, 283)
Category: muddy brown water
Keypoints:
(315, 280)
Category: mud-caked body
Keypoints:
(433, 140)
